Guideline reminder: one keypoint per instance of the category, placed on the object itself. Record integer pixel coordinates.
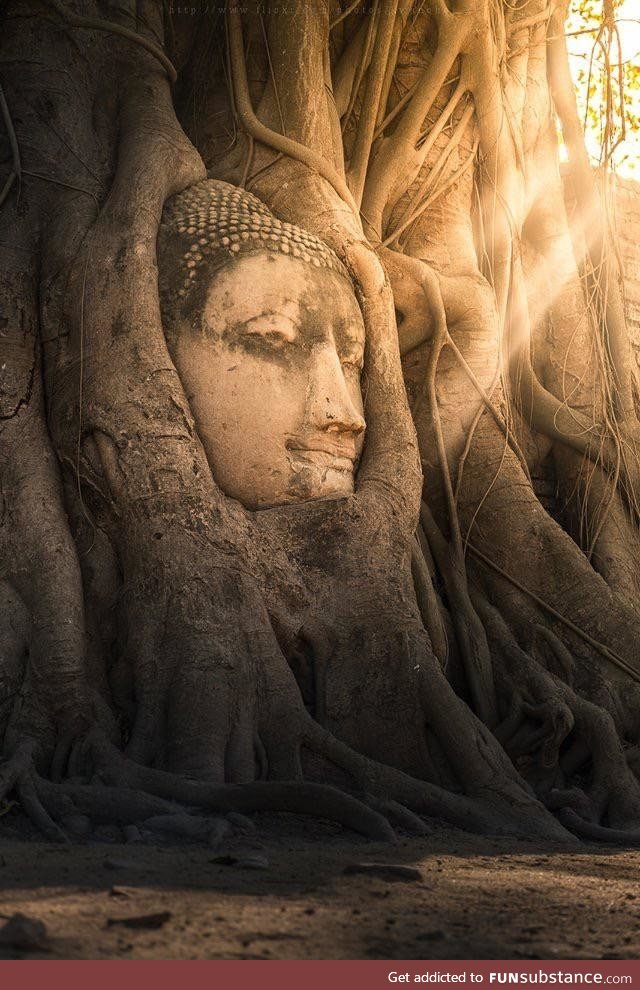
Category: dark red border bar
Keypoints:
(313, 975)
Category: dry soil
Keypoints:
(474, 898)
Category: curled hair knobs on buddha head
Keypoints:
(213, 223)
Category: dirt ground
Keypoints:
(472, 898)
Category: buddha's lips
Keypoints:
(324, 452)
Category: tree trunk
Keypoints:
(435, 640)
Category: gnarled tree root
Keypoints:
(17, 774)
(597, 833)
(564, 733)
(319, 800)
(495, 806)
(133, 793)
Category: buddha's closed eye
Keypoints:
(273, 327)
(264, 335)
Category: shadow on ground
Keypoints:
(473, 898)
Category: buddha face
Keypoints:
(272, 374)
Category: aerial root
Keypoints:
(633, 760)
(36, 812)
(136, 794)
(483, 810)
(553, 723)
(129, 793)
(559, 651)
(317, 800)
(102, 804)
(574, 798)
(125, 792)
(17, 773)
(397, 814)
(15, 766)
(390, 793)
(597, 833)
(564, 736)
(99, 24)
(62, 754)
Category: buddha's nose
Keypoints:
(331, 407)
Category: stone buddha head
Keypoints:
(265, 331)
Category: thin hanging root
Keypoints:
(546, 413)
(558, 421)
(430, 192)
(470, 633)
(603, 650)
(486, 398)
(257, 130)
(16, 169)
(97, 24)
(472, 641)
(428, 603)
(247, 164)
(6, 189)
(597, 833)
(423, 281)
(358, 51)
(610, 304)
(389, 164)
(371, 100)
(362, 67)
(555, 419)
(433, 293)
(345, 13)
